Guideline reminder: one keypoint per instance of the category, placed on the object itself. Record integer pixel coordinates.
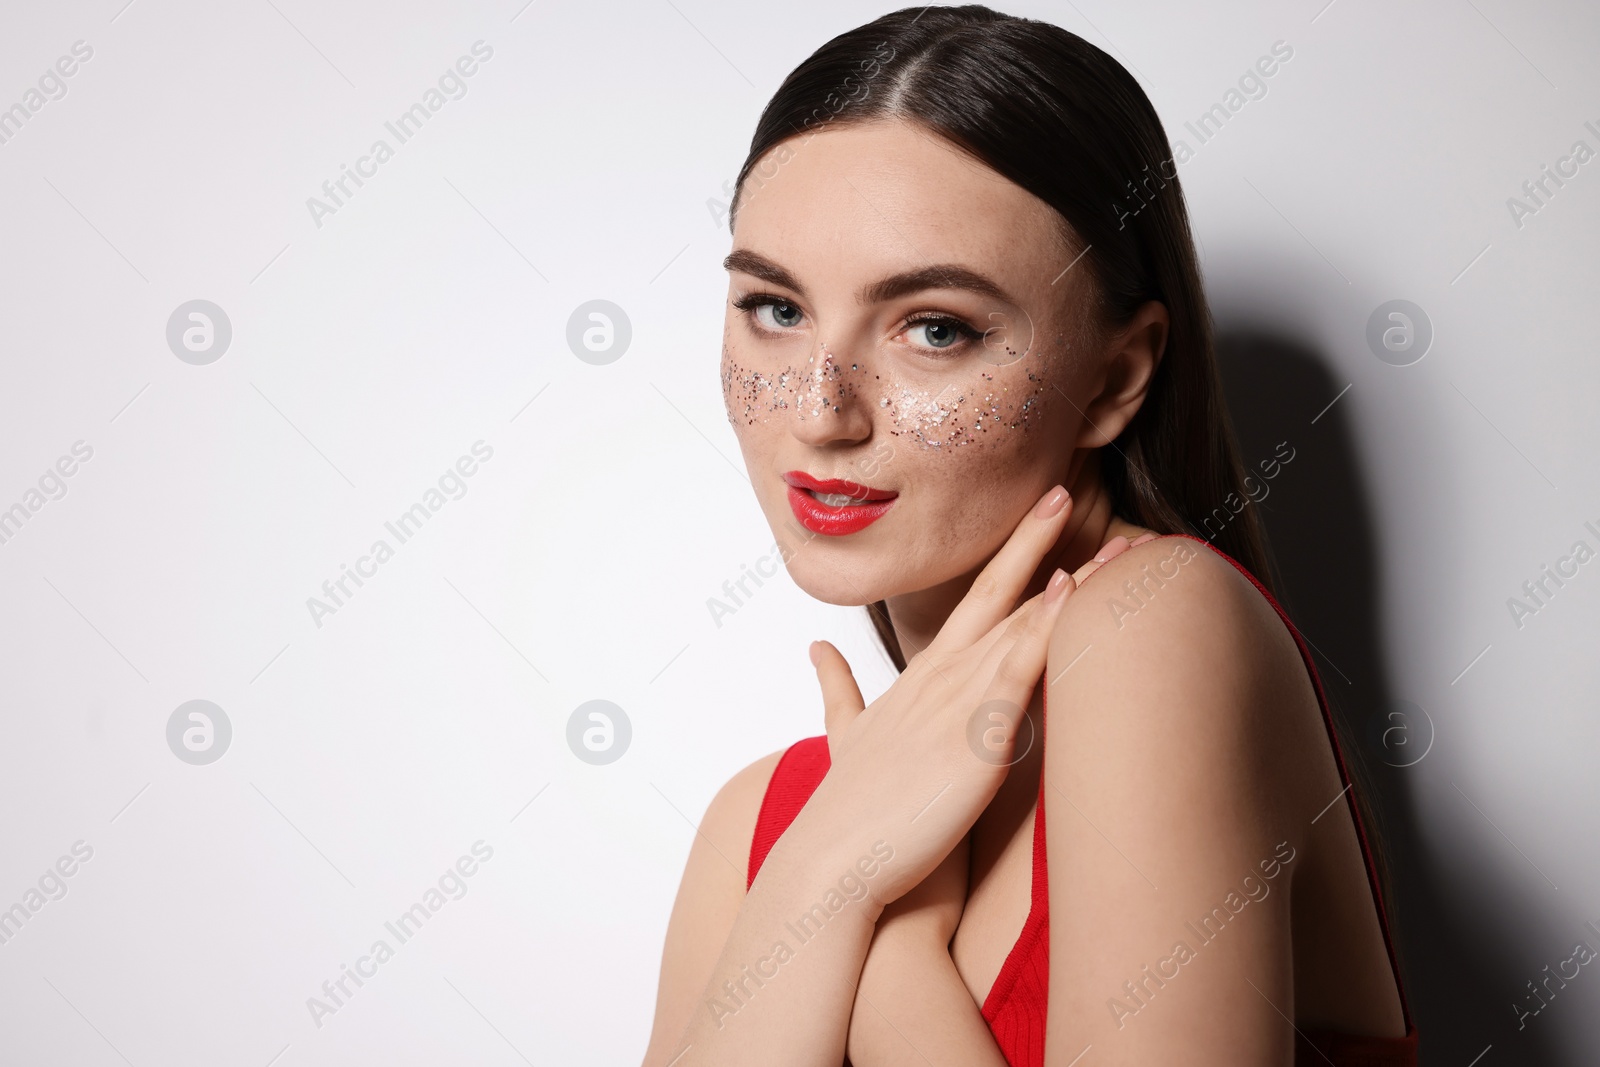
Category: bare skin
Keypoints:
(1186, 749)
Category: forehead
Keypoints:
(855, 202)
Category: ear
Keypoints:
(1133, 354)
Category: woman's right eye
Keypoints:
(771, 313)
(778, 316)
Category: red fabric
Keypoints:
(799, 771)
(1015, 1006)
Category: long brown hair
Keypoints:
(1065, 121)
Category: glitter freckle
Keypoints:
(939, 420)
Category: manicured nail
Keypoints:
(1112, 548)
(1142, 538)
(816, 653)
(1056, 586)
(1051, 505)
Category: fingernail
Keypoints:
(1056, 586)
(1142, 538)
(1051, 505)
(815, 653)
(1112, 548)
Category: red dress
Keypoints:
(1015, 1007)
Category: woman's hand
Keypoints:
(909, 984)
(915, 768)
(932, 911)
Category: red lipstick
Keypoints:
(865, 506)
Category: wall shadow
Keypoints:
(1459, 970)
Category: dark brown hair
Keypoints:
(1066, 122)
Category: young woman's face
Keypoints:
(901, 319)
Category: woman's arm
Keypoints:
(912, 1008)
(781, 988)
(709, 896)
(715, 925)
(1177, 801)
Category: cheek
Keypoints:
(995, 411)
(752, 395)
(978, 450)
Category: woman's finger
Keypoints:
(1009, 627)
(1108, 552)
(995, 591)
(1024, 648)
(841, 697)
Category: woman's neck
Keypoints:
(917, 617)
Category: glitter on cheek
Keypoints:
(930, 419)
(956, 416)
(953, 416)
(749, 394)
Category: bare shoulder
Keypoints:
(709, 896)
(1170, 650)
(1174, 603)
(730, 819)
(1165, 586)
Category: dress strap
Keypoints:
(799, 771)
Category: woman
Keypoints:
(967, 356)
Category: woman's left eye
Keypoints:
(940, 333)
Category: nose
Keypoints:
(830, 405)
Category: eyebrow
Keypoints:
(935, 276)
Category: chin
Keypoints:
(851, 570)
(834, 578)
(837, 583)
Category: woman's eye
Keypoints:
(939, 333)
(777, 315)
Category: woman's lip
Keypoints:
(840, 486)
(822, 518)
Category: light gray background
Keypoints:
(430, 312)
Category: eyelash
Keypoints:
(751, 301)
